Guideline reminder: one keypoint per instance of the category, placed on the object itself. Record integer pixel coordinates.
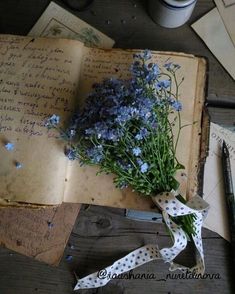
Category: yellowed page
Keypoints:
(38, 77)
(83, 185)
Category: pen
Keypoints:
(221, 104)
(228, 187)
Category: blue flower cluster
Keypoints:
(123, 123)
(127, 128)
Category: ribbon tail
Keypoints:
(170, 206)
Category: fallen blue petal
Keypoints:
(50, 224)
(9, 146)
(18, 165)
(69, 257)
(52, 121)
(71, 246)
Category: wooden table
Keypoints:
(101, 235)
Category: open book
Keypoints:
(40, 77)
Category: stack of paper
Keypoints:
(217, 30)
(213, 190)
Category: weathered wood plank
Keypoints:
(223, 116)
(101, 235)
(99, 238)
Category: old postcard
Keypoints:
(57, 22)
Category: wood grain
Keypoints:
(101, 235)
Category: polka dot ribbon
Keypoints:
(170, 206)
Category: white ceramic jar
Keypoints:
(171, 13)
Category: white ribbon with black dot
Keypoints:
(170, 206)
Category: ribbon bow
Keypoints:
(170, 206)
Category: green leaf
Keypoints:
(174, 184)
(180, 166)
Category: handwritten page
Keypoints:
(57, 22)
(97, 65)
(39, 77)
(217, 219)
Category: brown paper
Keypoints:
(39, 233)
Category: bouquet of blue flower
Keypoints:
(126, 127)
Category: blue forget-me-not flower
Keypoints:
(136, 151)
